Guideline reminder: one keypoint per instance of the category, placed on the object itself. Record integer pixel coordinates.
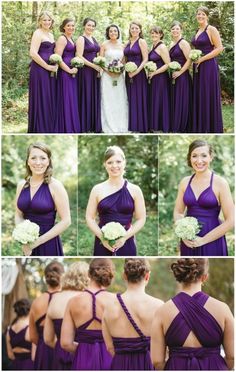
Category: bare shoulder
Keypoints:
(212, 29)
(62, 39)
(20, 185)
(56, 185)
(220, 181)
(104, 44)
(184, 43)
(80, 39)
(98, 187)
(217, 304)
(136, 190)
(163, 46)
(155, 301)
(184, 182)
(41, 300)
(142, 42)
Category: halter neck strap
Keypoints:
(127, 313)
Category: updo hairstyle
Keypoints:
(203, 9)
(86, 20)
(108, 29)
(194, 145)
(101, 270)
(135, 269)
(189, 270)
(53, 273)
(62, 26)
(113, 150)
(21, 308)
(76, 277)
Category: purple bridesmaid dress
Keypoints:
(158, 97)
(42, 94)
(89, 91)
(131, 353)
(67, 116)
(206, 209)
(136, 91)
(62, 359)
(117, 207)
(44, 355)
(207, 116)
(91, 353)
(181, 95)
(193, 317)
(22, 361)
(41, 210)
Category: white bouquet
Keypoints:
(54, 59)
(194, 55)
(100, 61)
(131, 67)
(150, 67)
(172, 67)
(76, 62)
(187, 228)
(112, 231)
(26, 232)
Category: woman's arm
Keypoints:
(49, 334)
(185, 47)
(214, 36)
(228, 341)
(10, 353)
(107, 336)
(68, 331)
(179, 203)
(158, 347)
(34, 48)
(144, 51)
(164, 53)
(33, 333)
(33, 348)
(80, 52)
(18, 214)
(60, 46)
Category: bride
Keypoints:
(114, 102)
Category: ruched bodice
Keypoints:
(68, 52)
(155, 57)
(46, 49)
(133, 53)
(203, 42)
(176, 54)
(91, 49)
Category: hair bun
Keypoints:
(189, 270)
(135, 269)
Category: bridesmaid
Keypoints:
(204, 194)
(192, 324)
(137, 51)
(44, 354)
(115, 200)
(73, 282)
(127, 320)
(81, 328)
(181, 91)
(42, 87)
(67, 99)
(19, 347)
(38, 198)
(207, 116)
(159, 90)
(87, 48)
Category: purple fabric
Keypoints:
(89, 91)
(23, 360)
(136, 91)
(158, 97)
(181, 95)
(62, 359)
(207, 115)
(132, 353)
(206, 210)
(194, 317)
(91, 353)
(41, 210)
(42, 94)
(117, 207)
(67, 116)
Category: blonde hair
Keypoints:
(43, 14)
(76, 277)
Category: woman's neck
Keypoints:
(36, 179)
(201, 175)
(89, 36)
(69, 36)
(176, 39)
(94, 286)
(134, 38)
(191, 288)
(54, 289)
(202, 26)
(116, 181)
(134, 289)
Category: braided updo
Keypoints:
(53, 273)
(189, 270)
(135, 269)
(101, 270)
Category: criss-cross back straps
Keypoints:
(94, 303)
(127, 313)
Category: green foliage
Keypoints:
(173, 167)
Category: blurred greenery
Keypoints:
(173, 167)
(17, 33)
(64, 158)
(162, 284)
(141, 169)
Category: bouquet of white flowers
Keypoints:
(194, 55)
(116, 67)
(100, 61)
(187, 228)
(112, 231)
(54, 59)
(150, 67)
(172, 67)
(76, 62)
(26, 232)
(131, 67)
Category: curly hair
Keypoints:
(53, 273)
(189, 270)
(21, 308)
(135, 269)
(101, 270)
(76, 277)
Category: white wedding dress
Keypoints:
(114, 101)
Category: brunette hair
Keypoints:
(67, 20)
(76, 277)
(101, 270)
(137, 24)
(157, 30)
(53, 273)
(43, 14)
(203, 9)
(135, 269)
(108, 29)
(113, 150)
(86, 20)
(48, 173)
(21, 308)
(189, 270)
(176, 23)
(194, 145)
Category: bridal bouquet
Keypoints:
(54, 59)
(187, 228)
(100, 61)
(150, 67)
(76, 62)
(113, 231)
(194, 55)
(131, 67)
(172, 67)
(117, 68)
(26, 232)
